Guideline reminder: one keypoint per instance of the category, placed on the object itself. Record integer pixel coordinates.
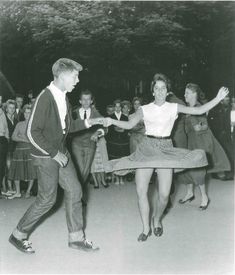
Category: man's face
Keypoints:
(118, 107)
(69, 80)
(19, 102)
(110, 111)
(85, 101)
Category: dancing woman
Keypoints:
(156, 150)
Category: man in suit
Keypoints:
(83, 143)
(19, 115)
(47, 130)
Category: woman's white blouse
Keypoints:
(159, 120)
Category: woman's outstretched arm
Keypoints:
(125, 124)
(206, 107)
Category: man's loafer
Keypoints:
(84, 245)
(22, 245)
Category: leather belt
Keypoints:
(149, 136)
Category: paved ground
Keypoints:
(193, 241)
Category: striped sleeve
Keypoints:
(36, 126)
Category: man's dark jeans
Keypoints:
(49, 174)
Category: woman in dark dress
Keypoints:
(199, 136)
(118, 139)
(137, 133)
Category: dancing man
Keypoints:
(47, 129)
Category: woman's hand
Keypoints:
(223, 91)
(107, 121)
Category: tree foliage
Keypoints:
(118, 43)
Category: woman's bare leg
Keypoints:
(142, 177)
(164, 188)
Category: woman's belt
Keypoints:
(157, 137)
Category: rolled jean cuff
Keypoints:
(19, 235)
(76, 236)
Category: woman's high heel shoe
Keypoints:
(204, 207)
(181, 201)
(143, 237)
(157, 231)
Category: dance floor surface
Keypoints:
(194, 242)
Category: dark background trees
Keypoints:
(120, 44)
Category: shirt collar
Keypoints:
(55, 89)
(83, 110)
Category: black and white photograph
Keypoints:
(117, 137)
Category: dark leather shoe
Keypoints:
(204, 207)
(22, 245)
(189, 200)
(143, 237)
(84, 245)
(158, 231)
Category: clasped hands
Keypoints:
(105, 121)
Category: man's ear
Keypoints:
(80, 101)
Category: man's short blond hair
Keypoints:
(64, 65)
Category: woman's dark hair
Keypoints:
(161, 77)
(196, 89)
(136, 98)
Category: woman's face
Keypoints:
(160, 90)
(190, 96)
(136, 105)
(125, 109)
(118, 107)
(27, 113)
(10, 109)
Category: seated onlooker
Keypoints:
(21, 168)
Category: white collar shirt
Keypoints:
(82, 112)
(60, 99)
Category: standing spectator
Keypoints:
(84, 142)
(4, 136)
(200, 136)
(99, 163)
(19, 115)
(21, 168)
(118, 139)
(10, 106)
(136, 133)
(219, 120)
(109, 110)
(126, 107)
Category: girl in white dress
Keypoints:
(156, 151)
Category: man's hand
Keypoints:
(61, 158)
(95, 121)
